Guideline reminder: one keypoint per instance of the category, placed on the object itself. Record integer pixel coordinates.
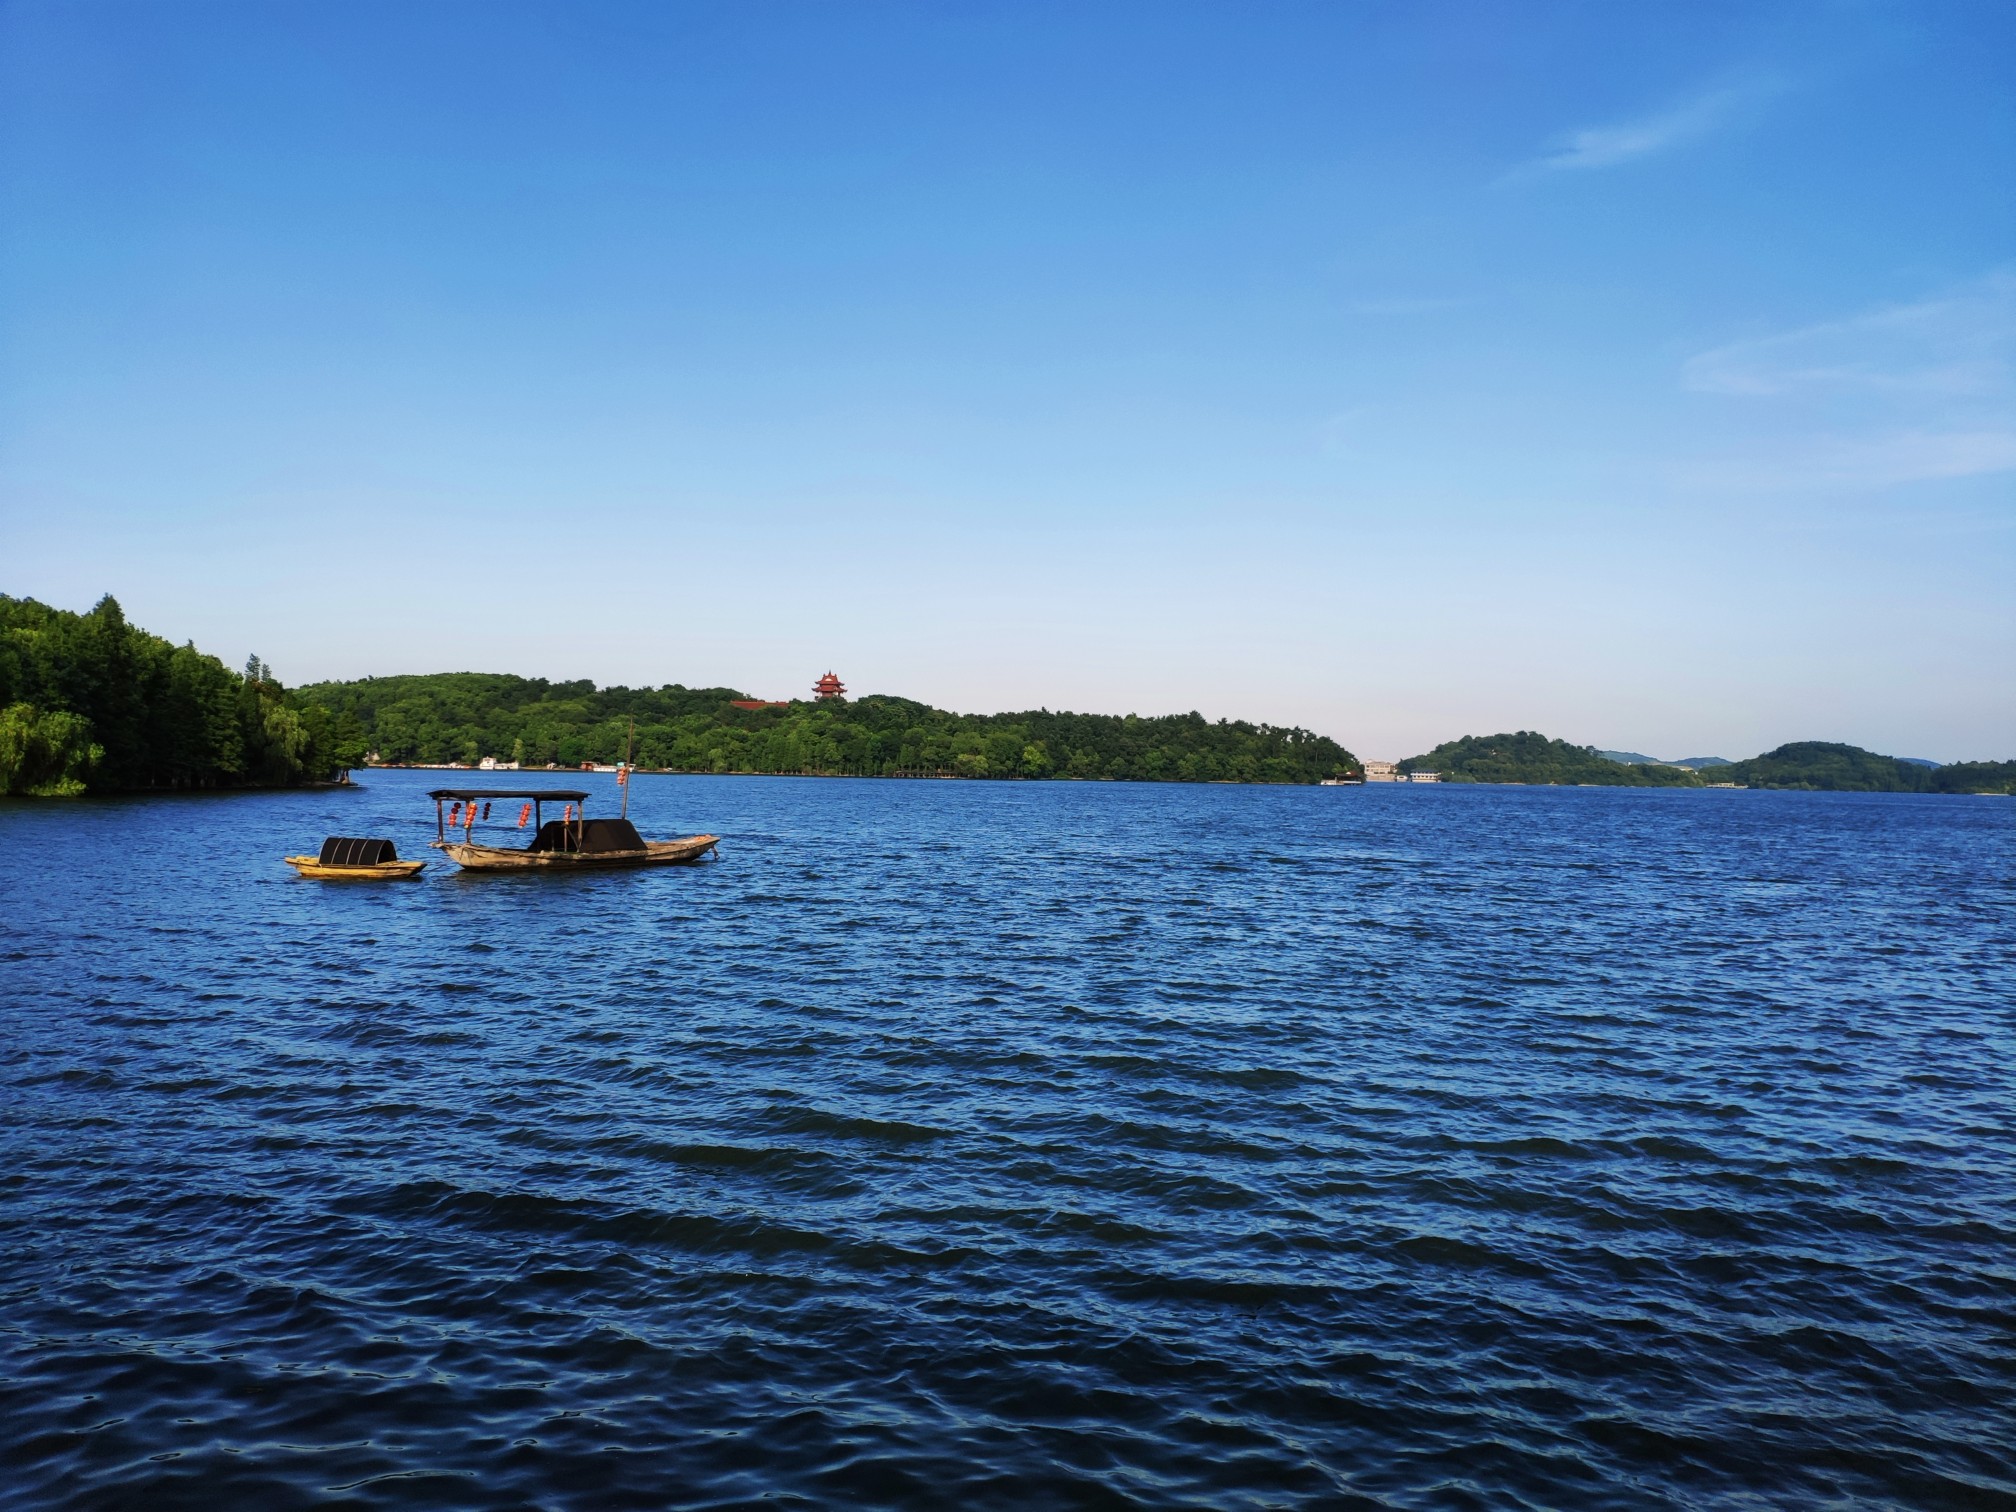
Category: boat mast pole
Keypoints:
(628, 741)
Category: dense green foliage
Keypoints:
(91, 703)
(463, 716)
(1826, 766)
(1530, 758)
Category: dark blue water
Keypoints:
(1017, 1145)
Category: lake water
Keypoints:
(1017, 1145)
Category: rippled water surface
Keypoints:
(1018, 1145)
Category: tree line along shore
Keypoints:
(90, 703)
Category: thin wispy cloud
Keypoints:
(1862, 462)
(1701, 114)
(1405, 305)
(1958, 344)
(1897, 394)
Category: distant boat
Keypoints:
(348, 859)
(1342, 782)
(572, 842)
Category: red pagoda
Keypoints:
(829, 686)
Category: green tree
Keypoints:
(45, 754)
(159, 715)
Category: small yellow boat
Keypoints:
(355, 860)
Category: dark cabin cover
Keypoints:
(587, 836)
(341, 850)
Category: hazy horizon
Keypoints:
(1637, 375)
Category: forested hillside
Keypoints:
(1526, 757)
(463, 716)
(91, 703)
(1820, 766)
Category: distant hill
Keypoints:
(1527, 757)
(463, 716)
(1636, 758)
(1827, 766)
(1814, 765)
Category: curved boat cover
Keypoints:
(340, 850)
(587, 836)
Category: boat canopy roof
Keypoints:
(342, 850)
(554, 795)
(587, 836)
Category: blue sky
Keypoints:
(1636, 373)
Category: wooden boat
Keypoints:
(345, 858)
(571, 843)
(645, 853)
